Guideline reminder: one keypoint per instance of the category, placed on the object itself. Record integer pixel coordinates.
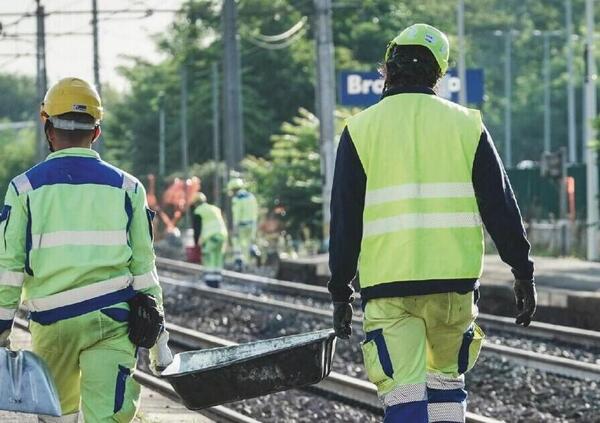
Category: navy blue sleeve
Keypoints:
(347, 205)
(499, 210)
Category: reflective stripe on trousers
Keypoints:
(441, 399)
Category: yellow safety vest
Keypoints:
(421, 220)
(212, 220)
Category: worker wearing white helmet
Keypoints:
(416, 178)
(244, 210)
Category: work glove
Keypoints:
(342, 319)
(526, 298)
(4, 339)
(146, 321)
(160, 354)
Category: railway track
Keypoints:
(156, 384)
(546, 331)
(549, 363)
(347, 389)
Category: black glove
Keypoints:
(526, 298)
(342, 319)
(145, 320)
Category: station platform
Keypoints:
(568, 288)
(561, 273)
(155, 408)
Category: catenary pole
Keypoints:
(41, 79)
(591, 153)
(161, 136)
(572, 139)
(232, 92)
(216, 133)
(508, 98)
(462, 70)
(547, 105)
(98, 145)
(325, 101)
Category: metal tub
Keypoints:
(220, 375)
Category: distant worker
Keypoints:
(415, 178)
(210, 232)
(244, 210)
(77, 252)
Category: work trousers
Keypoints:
(213, 251)
(242, 242)
(91, 360)
(416, 352)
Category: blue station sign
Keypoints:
(364, 88)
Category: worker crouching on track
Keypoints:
(77, 249)
(415, 178)
(210, 231)
(244, 210)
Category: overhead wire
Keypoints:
(278, 41)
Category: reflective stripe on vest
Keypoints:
(92, 291)
(421, 220)
(62, 238)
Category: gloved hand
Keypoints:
(160, 354)
(342, 319)
(145, 320)
(4, 339)
(526, 298)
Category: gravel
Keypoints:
(497, 388)
(559, 349)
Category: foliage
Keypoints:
(17, 153)
(290, 176)
(19, 98)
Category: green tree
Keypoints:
(290, 175)
(17, 150)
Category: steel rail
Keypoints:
(551, 332)
(559, 365)
(161, 386)
(345, 388)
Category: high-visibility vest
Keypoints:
(212, 220)
(421, 220)
(244, 208)
(77, 237)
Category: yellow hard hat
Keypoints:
(72, 95)
(427, 36)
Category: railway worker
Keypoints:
(210, 232)
(77, 250)
(415, 178)
(244, 210)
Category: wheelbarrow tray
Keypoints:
(216, 376)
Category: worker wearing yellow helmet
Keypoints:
(210, 232)
(244, 210)
(78, 255)
(416, 178)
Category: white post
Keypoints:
(591, 153)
